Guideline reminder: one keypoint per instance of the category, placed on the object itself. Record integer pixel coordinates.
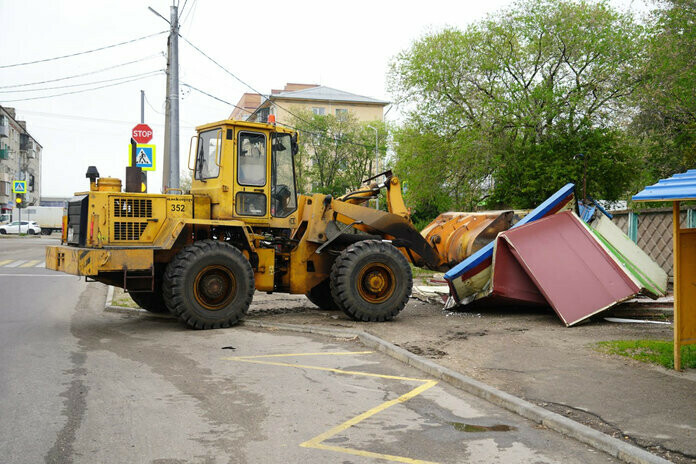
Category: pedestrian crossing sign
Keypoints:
(144, 157)
(19, 186)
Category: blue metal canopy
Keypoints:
(677, 188)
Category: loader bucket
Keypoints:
(458, 235)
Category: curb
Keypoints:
(110, 308)
(584, 434)
(109, 297)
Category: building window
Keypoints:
(5, 188)
(262, 115)
(341, 113)
(319, 110)
(31, 182)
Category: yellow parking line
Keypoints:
(316, 442)
(5, 261)
(328, 369)
(31, 263)
(292, 355)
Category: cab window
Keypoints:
(251, 159)
(283, 194)
(250, 204)
(207, 155)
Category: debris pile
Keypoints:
(574, 260)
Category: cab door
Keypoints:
(251, 199)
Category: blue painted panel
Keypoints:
(487, 251)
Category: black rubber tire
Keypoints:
(31, 232)
(3, 231)
(150, 301)
(321, 296)
(348, 281)
(206, 259)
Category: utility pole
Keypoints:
(173, 97)
(170, 176)
(165, 164)
(142, 107)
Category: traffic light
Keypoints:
(19, 199)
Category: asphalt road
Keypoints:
(82, 385)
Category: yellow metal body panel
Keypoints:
(264, 276)
(201, 207)
(131, 219)
(91, 261)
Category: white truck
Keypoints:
(49, 218)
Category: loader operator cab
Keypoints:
(247, 169)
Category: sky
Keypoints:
(344, 45)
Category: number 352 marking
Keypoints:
(178, 207)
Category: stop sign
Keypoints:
(142, 133)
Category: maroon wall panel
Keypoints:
(509, 278)
(569, 267)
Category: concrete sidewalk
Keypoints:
(531, 355)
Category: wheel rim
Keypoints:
(376, 282)
(215, 286)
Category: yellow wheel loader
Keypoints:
(244, 228)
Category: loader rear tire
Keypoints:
(371, 281)
(150, 301)
(209, 285)
(321, 296)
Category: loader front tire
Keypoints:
(209, 285)
(371, 281)
(321, 296)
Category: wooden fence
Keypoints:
(652, 231)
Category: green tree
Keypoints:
(185, 179)
(506, 104)
(336, 152)
(667, 106)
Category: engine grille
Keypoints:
(132, 208)
(128, 230)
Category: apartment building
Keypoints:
(20, 159)
(319, 99)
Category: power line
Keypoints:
(214, 97)
(348, 141)
(182, 9)
(86, 90)
(82, 118)
(82, 53)
(78, 85)
(152, 107)
(80, 75)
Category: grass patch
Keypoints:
(122, 298)
(422, 276)
(658, 352)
